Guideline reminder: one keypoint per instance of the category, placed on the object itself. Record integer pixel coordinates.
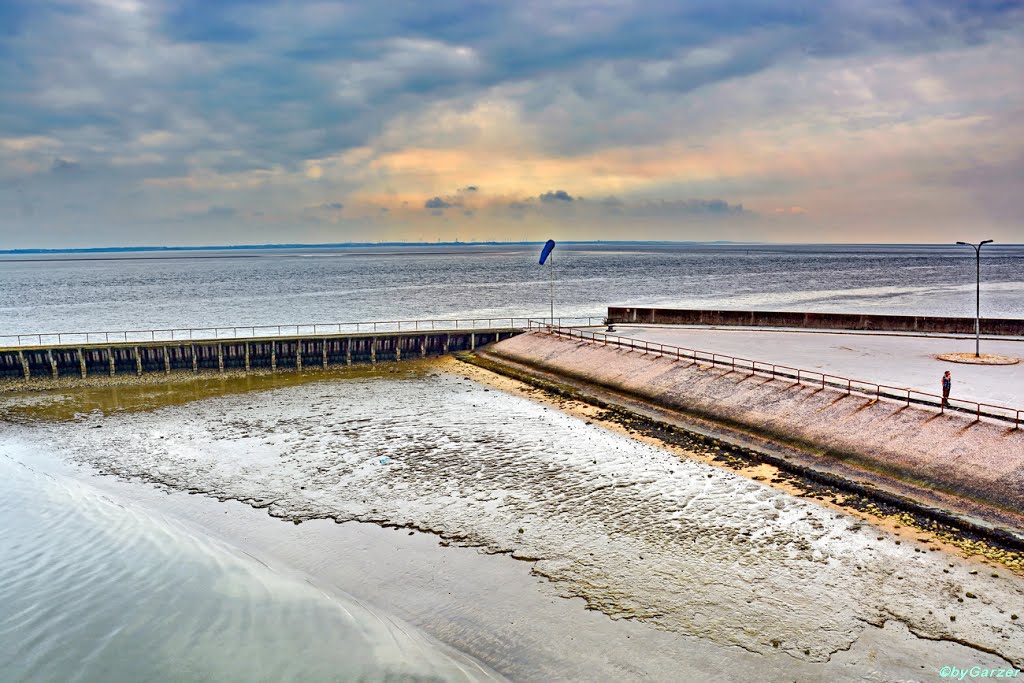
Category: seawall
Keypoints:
(952, 454)
(833, 321)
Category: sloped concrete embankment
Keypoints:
(952, 453)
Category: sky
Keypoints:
(191, 122)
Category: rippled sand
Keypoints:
(629, 527)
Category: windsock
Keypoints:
(548, 247)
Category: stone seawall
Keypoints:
(950, 453)
(829, 321)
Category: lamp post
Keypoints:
(977, 300)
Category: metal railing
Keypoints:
(802, 377)
(260, 331)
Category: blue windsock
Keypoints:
(548, 246)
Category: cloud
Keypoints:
(555, 197)
(824, 105)
(222, 212)
(332, 206)
(706, 206)
(65, 166)
(438, 203)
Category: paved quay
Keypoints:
(898, 360)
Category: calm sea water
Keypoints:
(93, 589)
(197, 289)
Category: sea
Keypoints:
(93, 588)
(44, 293)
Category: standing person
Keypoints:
(947, 384)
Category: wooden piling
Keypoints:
(472, 341)
(138, 363)
(195, 359)
(247, 356)
(323, 349)
(373, 350)
(423, 347)
(298, 355)
(273, 355)
(167, 361)
(53, 363)
(220, 357)
(24, 365)
(110, 359)
(348, 351)
(81, 362)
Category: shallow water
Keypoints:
(94, 589)
(630, 528)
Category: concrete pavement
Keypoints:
(897, 360)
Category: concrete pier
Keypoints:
(37, 363)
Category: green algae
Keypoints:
(152, 392)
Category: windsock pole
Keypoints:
(545, 254)
(552, 258)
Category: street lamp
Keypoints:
(977, 301)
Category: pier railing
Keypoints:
(800, 376)
(291, 330)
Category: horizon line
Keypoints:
(328, 245)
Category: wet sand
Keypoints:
(706, 573)
(499, 611)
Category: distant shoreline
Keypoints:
(348, 245)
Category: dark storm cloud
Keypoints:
(555, 197)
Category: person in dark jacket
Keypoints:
(947, 384)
